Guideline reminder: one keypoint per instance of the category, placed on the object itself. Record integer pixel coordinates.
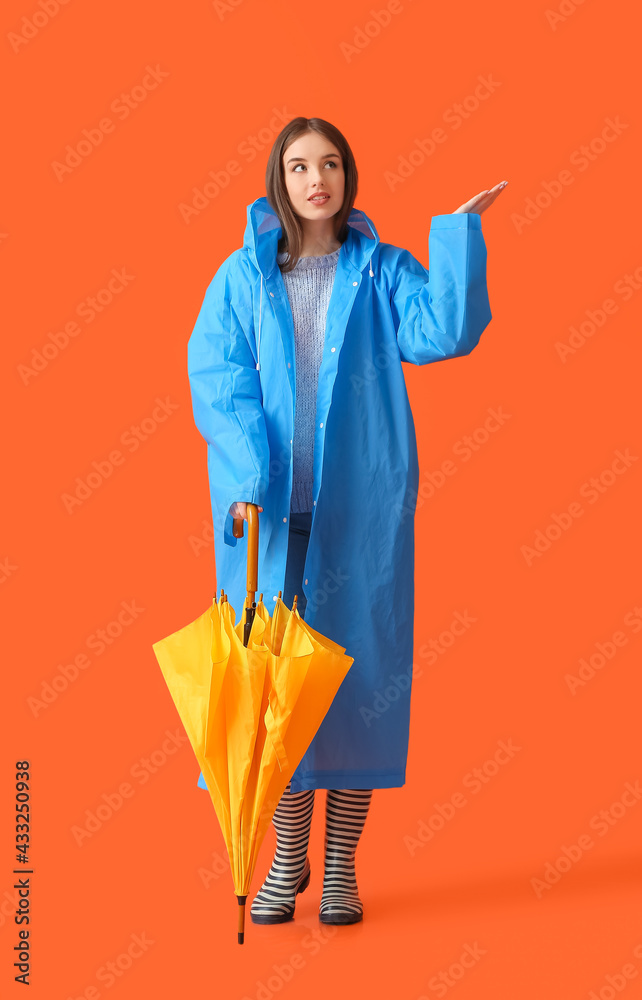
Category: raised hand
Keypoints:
(483, 200)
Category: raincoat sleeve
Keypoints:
(443, 313)
(226, 393)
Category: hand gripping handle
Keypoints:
(252, 547)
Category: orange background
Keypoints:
(151, 868)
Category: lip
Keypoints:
(318, 194)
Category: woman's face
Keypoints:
(312, 166)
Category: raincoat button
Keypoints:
(321, 424)
(306, 581)
(355, 282)
(272, 294)
(333, 349)
(285, 518)
(289, 365)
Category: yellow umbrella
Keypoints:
(251, 697)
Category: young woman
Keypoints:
(295, 367)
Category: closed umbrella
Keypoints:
(251, 696)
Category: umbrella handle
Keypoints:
(252, 510)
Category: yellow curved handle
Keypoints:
(252, 510)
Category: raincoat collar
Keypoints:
(263, 232)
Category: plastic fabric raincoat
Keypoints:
(385, 309)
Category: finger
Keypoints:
(482, 200)
(476, 204)
(488, 197)
(468, 206)
(488, 200)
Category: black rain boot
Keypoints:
(290, 872)
(346, 812)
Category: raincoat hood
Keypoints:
(263, 232)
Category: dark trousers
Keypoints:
(299, 536)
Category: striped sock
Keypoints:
(274, 902)
(346, 811)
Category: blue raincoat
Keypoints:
(384, 309)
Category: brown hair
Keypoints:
(277, 194)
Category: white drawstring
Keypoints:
(258, 343)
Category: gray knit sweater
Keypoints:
(309, 287)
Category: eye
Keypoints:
(328, 163)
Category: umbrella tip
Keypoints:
(241, 926)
